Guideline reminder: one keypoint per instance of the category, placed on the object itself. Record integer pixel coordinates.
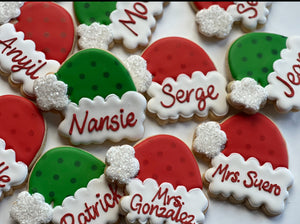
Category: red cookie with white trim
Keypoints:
(185, 82)
(164, 184)
(249, 161)
(22, 133)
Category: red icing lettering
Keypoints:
(163, 211)
(261, 184)
(241, 8)
(184, 96)
(293, 78)
(140, 12)
(92, 212)
(113, 123)
(3, 178)
(226, 174)
(20, 59)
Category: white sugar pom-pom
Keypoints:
(121, 164)
(214, 21)
(9, 10)
(137, 67)
(209, 139)
(94, 36)
(247, 95)
(50, 93)
(31, 209)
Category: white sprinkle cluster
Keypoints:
(94, 36)
(214, 21)
(247, 94)
(9, 10)
(121, 164)
(31, 209)
(137, 67)
(50, 93)
(209, 139)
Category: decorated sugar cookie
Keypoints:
(98, 97)
(249, 161)
(49, 26)
(103, 23)
(64, 185)
(185, 82)
(22, 134)
(215, 19)
(163, 181)
(275, 76)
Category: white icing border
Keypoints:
(280, 87)
(12, 173)
(218, 106)
(130, 102)
(235, 184)
(143, 27)
(193, 202)
(85, 198)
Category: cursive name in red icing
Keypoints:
(166, 206)
(109, 122)
(240, 7)
(93, 212)
(184, 96)
(19, 60)
(140, 11)
(3, 178)
(252, 181)
(293, 78)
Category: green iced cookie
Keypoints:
(89, 12)
(94, 72)
(253, 54)
(61, 171)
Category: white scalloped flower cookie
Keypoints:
(216, 19)
(158, 190)
(252, 164)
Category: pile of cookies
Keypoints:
(98, 78)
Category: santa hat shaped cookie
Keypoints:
(39, 37)
(249, 161)
(22, 133)
(215, 19)
(275, 76)
(162, 178)
(103, 23)
(67, 185)
(185, 82)
(98, 96)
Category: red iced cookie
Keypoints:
(22, 127)
(167, 159)
(185, 82)
(50, 26)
